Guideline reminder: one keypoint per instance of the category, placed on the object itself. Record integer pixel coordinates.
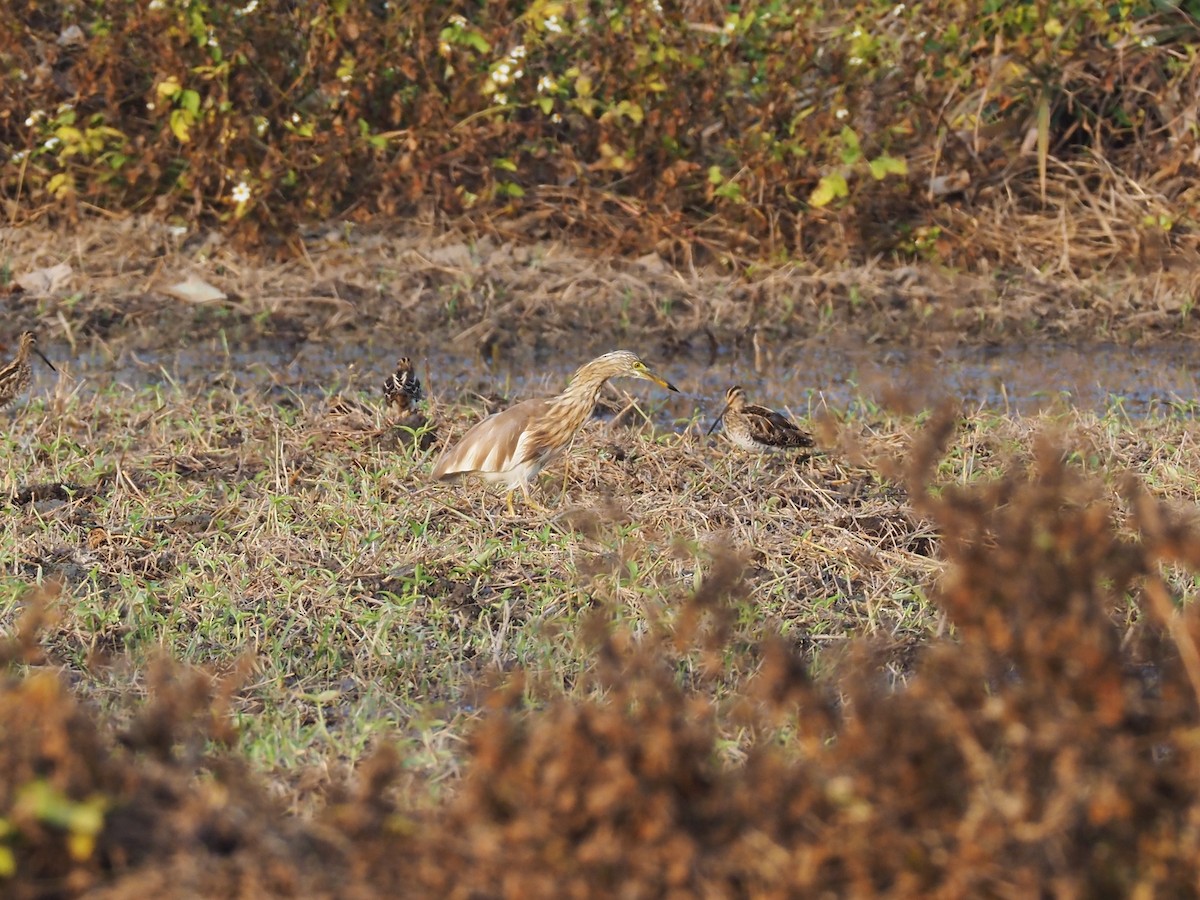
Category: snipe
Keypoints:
(15, 376)
(756, 427)
(402, 389)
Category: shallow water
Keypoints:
(801, 378)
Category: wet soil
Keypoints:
(804, 377)
(111, 287)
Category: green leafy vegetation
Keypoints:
(736, 132)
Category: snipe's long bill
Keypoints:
(515, 444)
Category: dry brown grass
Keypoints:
(1036, 737)
(940, 658)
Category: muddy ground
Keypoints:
(427, 290)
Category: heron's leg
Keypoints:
(566, 474)
(530, 502)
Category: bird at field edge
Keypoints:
(515, 444)
(402, 389)
(15, 376)
(756, 427)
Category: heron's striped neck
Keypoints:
(574, 405)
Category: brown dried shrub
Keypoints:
(1040, 750)
(1044, 748)
(85, 810)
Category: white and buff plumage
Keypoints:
(513, 445)
(15, 376)
(756, 427)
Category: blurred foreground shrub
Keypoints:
(1048, 748)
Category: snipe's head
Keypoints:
(29, 344)
(406, 376)
(735, 399)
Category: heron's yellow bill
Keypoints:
(650, 376)
(662, 382)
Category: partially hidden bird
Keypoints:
(402, 389)
(756, 427)
(16, 375)
(515, 444)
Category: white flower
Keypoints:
(517, 52)
(898, 9)
(241, 193)
(1149, 41)
(501, 99)
(855, 61)
(553, 25)
(545, 83)
(19, 155)
(842, 113)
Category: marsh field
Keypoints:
(253, 649)
(250, 648)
